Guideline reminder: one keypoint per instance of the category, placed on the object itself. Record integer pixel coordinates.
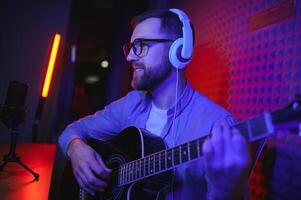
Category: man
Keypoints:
(164, 103)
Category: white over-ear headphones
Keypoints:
(181, 50)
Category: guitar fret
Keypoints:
(172, 156)
(157, 164)
(268, 123)
(127, 173)
(146, 165)
(193, 149)
(149, 165)
(159, 154)
(142, 168)
(176, 155)
(163, 160)
(184, 154)
(169, 161)
(138, 169)
(188, 150)
(151, 162)
(130, 172)
(198, 148)
(134, 170)
(180, 153)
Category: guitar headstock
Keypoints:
(295, 104)
(290, 115)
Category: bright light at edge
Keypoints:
(54, 50)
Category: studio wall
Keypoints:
(248, 59)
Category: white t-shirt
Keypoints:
(156, 120)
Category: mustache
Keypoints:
(138, 66)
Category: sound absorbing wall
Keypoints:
(248, 59)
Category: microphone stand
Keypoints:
(12, 117)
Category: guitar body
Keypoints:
(131, 144)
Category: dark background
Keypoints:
(247, 58)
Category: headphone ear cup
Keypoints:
(175, 57)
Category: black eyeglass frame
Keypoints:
(128, 46)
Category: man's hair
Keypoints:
(170, 21)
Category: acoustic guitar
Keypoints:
(141, 163)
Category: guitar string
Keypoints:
(131, 173)
(156, 155)
(144, 166)
(257, 122)
(192, 144)
(147, 163)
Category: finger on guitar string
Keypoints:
(226, 136)
(207, 149)
(83, 186)
(100, 168)
(240, 147)
(84, 162)
(93, 181)
(217, 141)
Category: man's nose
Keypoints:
(131, 56)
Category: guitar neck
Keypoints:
(153, 164)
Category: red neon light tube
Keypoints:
(50, 68)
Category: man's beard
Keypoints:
(151, 77)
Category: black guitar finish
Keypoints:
(116, 152)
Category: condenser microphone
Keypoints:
(12, 112)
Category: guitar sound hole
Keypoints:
(113, 191)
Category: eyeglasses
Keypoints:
(140, 46)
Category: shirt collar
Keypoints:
(179, 106)
(182, 101)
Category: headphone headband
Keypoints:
(181, 50)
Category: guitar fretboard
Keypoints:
(159, 162)
(167, 159)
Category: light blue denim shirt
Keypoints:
(195, 117)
